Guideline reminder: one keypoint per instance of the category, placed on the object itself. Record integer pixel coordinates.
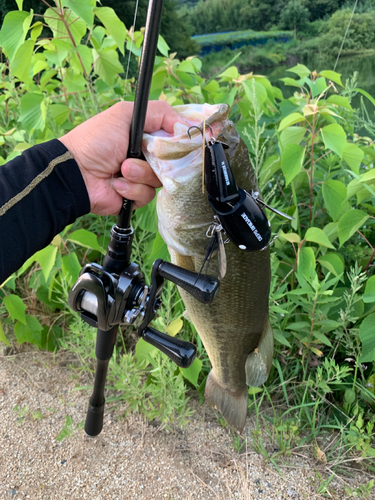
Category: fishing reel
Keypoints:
(105, 299)
(240, 212)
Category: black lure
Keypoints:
(240, 213)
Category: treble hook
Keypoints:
(200, 130)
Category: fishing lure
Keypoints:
(238, 214)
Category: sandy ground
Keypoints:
(131, 459)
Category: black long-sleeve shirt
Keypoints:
(41, 192)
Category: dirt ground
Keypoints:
(45, 454)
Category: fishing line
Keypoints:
(132, 29)
(346, 32)
(131, 40)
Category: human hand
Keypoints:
(99, 147)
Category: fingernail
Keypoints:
(134, 170)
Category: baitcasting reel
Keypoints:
(240, 213)
(105, 300)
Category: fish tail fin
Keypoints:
(233, 406)
(259, 362)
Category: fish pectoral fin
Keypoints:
(259, 362)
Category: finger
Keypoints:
(161, 115)
(139, 172)
(141, 194)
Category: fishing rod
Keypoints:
(116, 292)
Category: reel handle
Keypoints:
(202, 287)
(179, 351)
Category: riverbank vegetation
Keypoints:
(311, 161)
(318, 26)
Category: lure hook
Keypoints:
(200, 130)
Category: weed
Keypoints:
(69, 429)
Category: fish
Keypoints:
(235, 328)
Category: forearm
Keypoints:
(41, 192)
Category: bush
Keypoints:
(361, 33)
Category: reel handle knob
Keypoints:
(179, 351)
(202, 287)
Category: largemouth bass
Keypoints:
(235, 328)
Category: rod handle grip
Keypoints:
(94, 420)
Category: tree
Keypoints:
(294, 16)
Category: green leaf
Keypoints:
(269, 167)
(46, 259)
(331, 75)
(322, 338)
(229, 74)
(340, 100)
(19, 4)
(15, 307)
(349, 396)
(291, 237)
(349, 223)
(30, 332)
(333, 262)
(255, 91)
(366, 334)
(292, 161)
(353, 156)
(299, 326)
(334, 195)
(83, 9)
(36, 30)
(143, 350)
(13, 32)
(278, 335)
(291, 82)
(192, 373)
(368, 176)
(334, 138)
(59, 113)
(21, 63)
(163, 48)
(317, 235)
(115, 27)
(369, 293)
(147, 217)
(159, 250)
(70, 268)
(300, 70)
(188, 67)
(366, 94)
(77, 26)
(107, 65)
(33, 112)
(86, 239)
(306, 262)
(174, 327)
(317, 87)
(2, 336)
(291, 119)
(331, 230)
(292, 135)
